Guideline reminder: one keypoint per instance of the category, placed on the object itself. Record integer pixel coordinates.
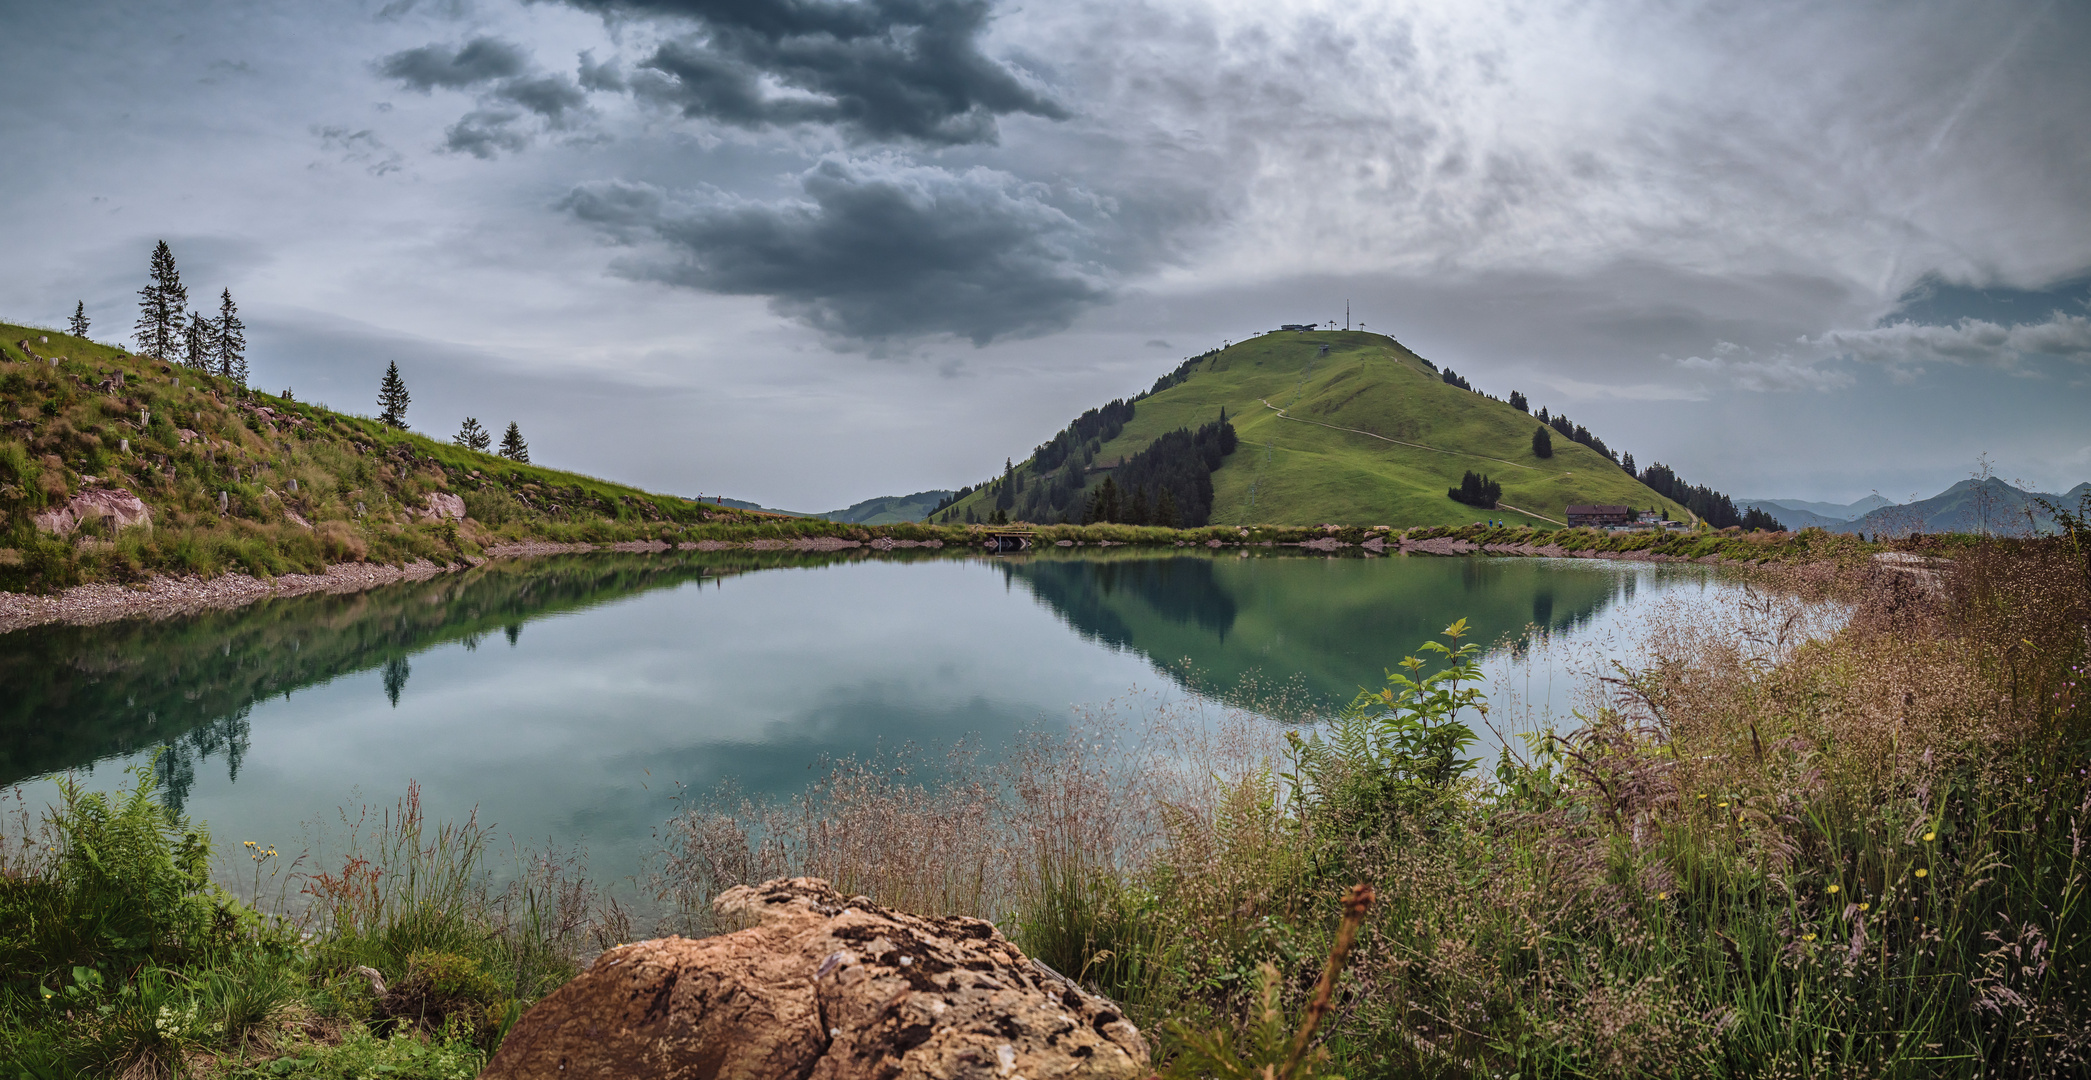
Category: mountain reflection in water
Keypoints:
(569, 697)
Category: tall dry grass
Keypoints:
(1836, 827)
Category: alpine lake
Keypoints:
(572, 700)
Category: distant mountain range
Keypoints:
(1969, 506)
(883, 510)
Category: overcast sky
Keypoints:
(811, 251)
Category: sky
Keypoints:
(807, 252)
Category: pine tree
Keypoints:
(1005, 496)
(1542, 414)
(473, 437)
(77, 325)
(160, 307)
(1542, 441)
(1136, 510)
(512, 445)
(199, 344)
(232, 340)
(1165, 512)
(1518, 402)
(393, 398)
(1627, 462)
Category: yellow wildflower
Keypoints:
(1834, 889)
(1928, 836)
(1921, 872)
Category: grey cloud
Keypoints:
(507, 92)
(874, 69)
(554, 97)
(480, 60)
(1969, 341)
(876, 250)
(1777, 372)
(359, 147)
(483, 133)
(608, 75)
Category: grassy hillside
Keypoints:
(890, 509)
(302, 486)
(1367, 433)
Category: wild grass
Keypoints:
(124, 955)
(1767, 848)
(1840, 830)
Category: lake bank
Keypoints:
(163, 596)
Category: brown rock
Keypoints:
(445, 506)
(824, 988)
(122, 508)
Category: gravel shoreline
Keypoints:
(169, 597)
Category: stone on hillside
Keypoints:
(826, 988)
(445, 506)
(122, 508)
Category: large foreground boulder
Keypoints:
(823, 988)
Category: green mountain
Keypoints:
(883, 510)
(1339, 427)
(890, 509)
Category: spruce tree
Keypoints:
(1518, 402)
(1627, 462)
(393, 398)
(473, 437)
(77, 325)
(160, 307)
(1542, 442)
(232, 340)
(512, 445)
(1165, 512)
(199, 344)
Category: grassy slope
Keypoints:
(57, 428)
(1290, 472)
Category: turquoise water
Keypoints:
(567, 699)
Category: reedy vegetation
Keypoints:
(1763, 852)
(1768, 849)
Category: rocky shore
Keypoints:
(167, 597)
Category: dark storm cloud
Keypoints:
(878, 70)
(509, 92)
(480, 60)
(875, 250)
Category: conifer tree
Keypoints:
(512, 445)
(1542, 442)
(199, 344)
(393, 398)
(160, 307)
(473, 437)
(1518, 402)
(77, 325)
(232, 340)
(1627, 462)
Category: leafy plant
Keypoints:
(1397, 749)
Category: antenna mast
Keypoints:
(1346, 315)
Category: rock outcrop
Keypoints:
(442, 506)
(822, 987)
(122, 508)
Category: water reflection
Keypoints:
(615, 678)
